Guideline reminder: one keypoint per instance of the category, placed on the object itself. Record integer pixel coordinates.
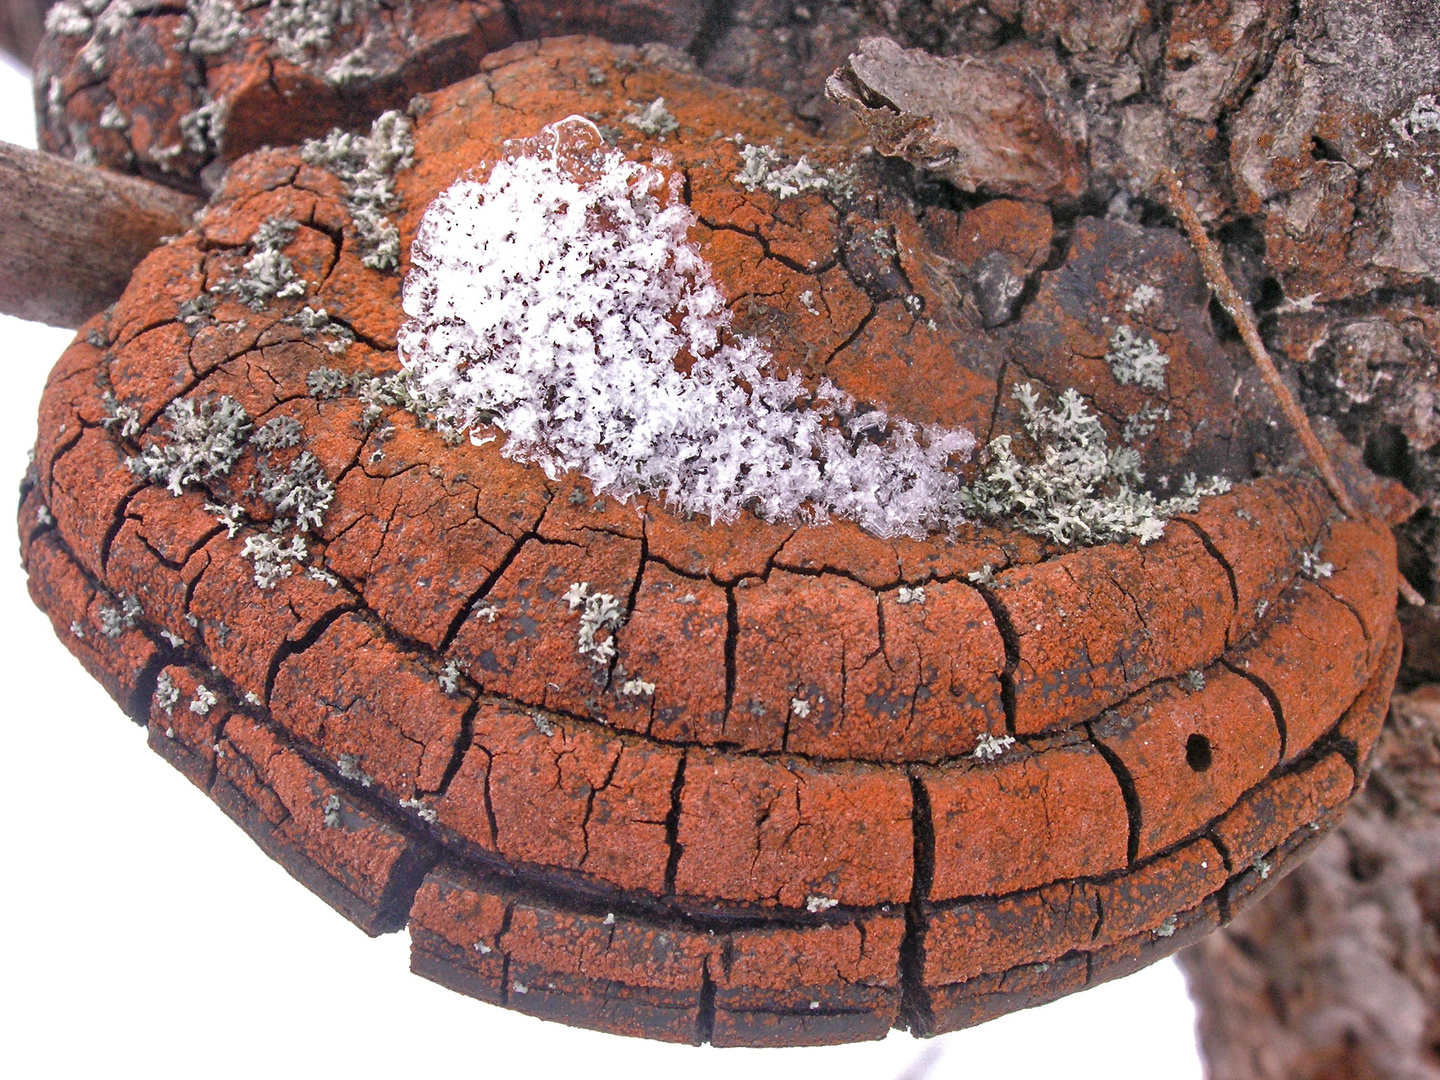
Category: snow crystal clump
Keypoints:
(562, 300)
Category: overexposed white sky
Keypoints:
(144, 933)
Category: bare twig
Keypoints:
(70, 235)
(1230, 298)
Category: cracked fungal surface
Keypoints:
(755, 783)
(166, 89)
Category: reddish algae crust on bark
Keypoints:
(821, 784)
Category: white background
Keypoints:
(145, 934)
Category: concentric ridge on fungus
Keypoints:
(751, 782)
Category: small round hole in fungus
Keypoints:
(1198, 752)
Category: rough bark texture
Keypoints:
(70, 235)
(1337, 973)
(789, 837)
(22, 22)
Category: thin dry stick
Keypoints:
(1231, 300)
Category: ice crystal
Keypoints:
(202, 442)
(1078, 491)
(637, 688)
(906, 595)
(366, 165)
(268, 274)
(555, 298)
(1136, 360)
(816, 904)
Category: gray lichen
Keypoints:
(366, 165)
(202, 442)
(314, 323)
(1076, 490)
(349, 766)
(274, 559)
(115, 621)
(765, 168)
(598, 612)
(1136, 361)
(300, 495)
(655, 119)
(268, 274)
(992, 747)
(277, 433)
(167, 694)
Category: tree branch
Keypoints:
(70, 235)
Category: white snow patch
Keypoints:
(562, 300)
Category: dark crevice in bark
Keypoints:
(915, 1009)
(1011, 642)
(672, 827)
(1270, 696)
(1127, 792)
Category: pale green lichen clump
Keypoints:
(764, 168)
(366, 165)
(1076, 490)
(268, 274)
(1136, 361)
(203, 440)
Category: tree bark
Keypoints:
(21, 24)
(1336, 974)
(70, 235)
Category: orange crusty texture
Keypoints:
(872, 783)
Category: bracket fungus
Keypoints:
(672, 598)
